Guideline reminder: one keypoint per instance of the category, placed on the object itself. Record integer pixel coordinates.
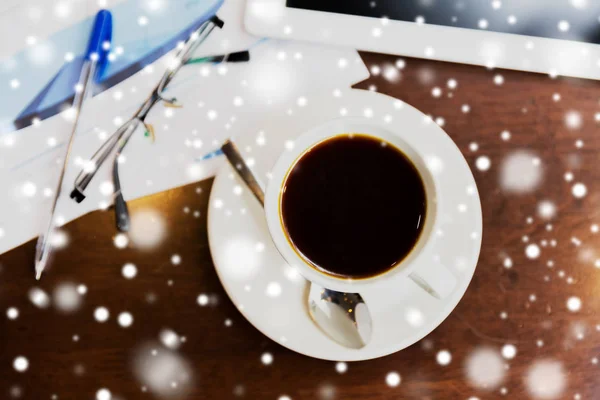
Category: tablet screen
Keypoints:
(557, 19)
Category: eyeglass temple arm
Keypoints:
(121, 210)
(190, 46)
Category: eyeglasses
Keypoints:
(121, 136)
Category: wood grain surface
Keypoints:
(530, 303)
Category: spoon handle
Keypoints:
(235, 158)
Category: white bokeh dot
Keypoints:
(82, 289)
(29, 189)
(266, 358)
(483, 163)
(107, 188)
(391, 73)
(532, 251)
(170, 339)
(579, 4)
(574, 304)
(237, 190)
(103, 394)
(509, 351)
(573, 120)
(579, 190)
(12, 313)
(273, 289)
(66, 297)
(435, 164)
(20, 364)
(443, 357)
(414, 317)
(39, 298)
(125, 319)
(546, 209)
(101, 314)
(120, 241)
(569, 176)
(393, 379)
(564, 26)
(341, 367)
(148, 228)
(484, 368)
(129, 271)
(202, 300)
(521, 171)
(142, 20)
(289, 144)
(546, 380)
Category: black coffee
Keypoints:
(353, 206)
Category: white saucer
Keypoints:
(272, 296)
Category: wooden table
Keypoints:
(547, 307)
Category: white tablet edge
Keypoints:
(478, 47)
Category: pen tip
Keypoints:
(39, 268)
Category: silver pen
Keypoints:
(95, 60)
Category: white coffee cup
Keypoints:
(432, 276)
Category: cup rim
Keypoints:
(290, 157)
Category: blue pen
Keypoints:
(95, 61)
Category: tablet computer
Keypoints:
(556, 37)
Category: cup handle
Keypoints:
(435, 279)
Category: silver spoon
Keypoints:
(344, 317)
